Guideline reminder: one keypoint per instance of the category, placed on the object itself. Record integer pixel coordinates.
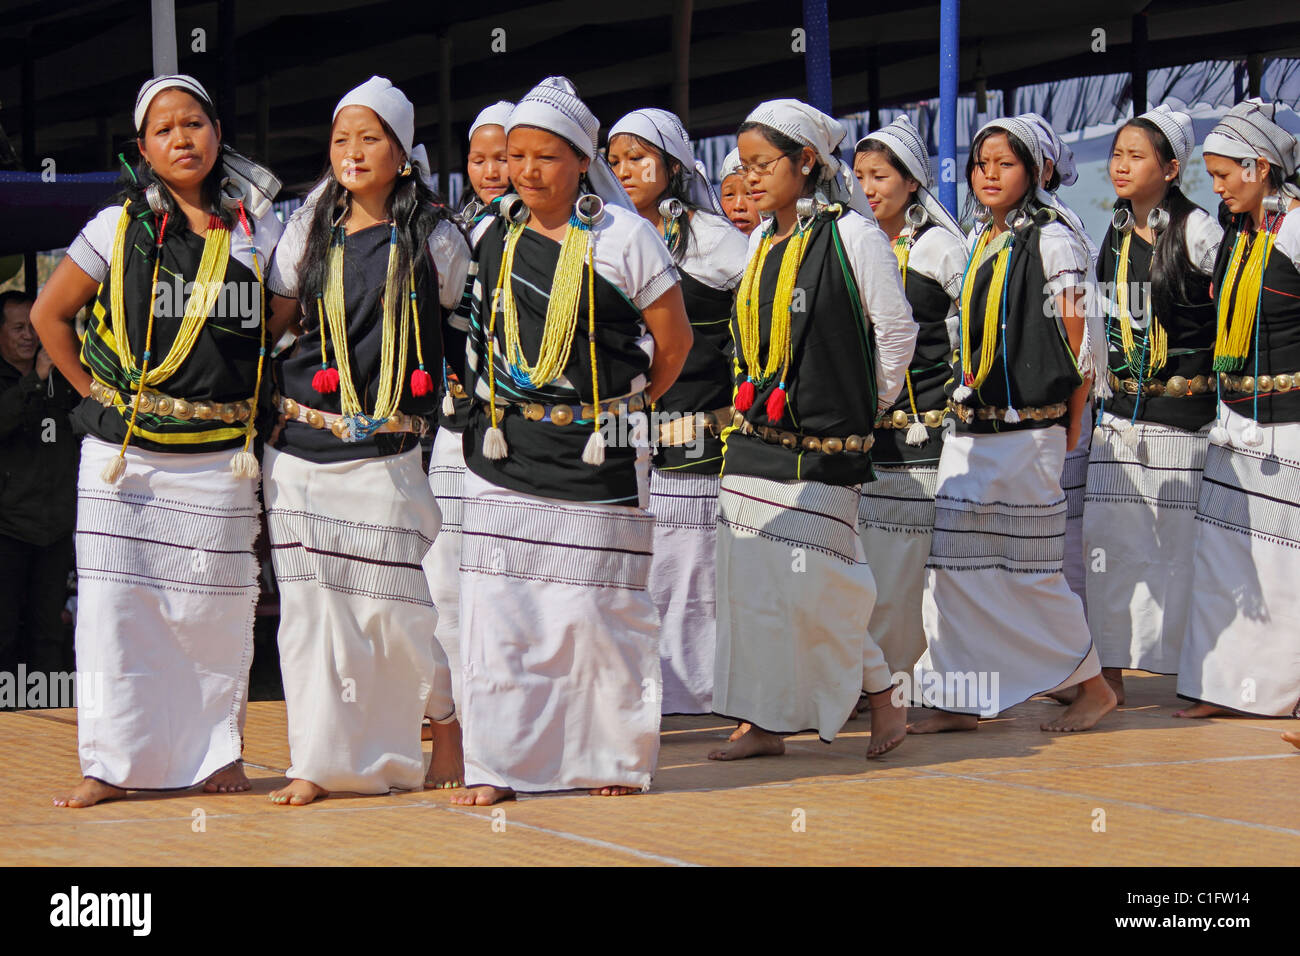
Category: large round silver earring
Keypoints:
(513, 209)
(1122, 219)
(1158, 220)
(671, 208)
(983, 215)
(157, 199)
(590, 209)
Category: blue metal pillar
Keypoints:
(817, 54)
(949, 73)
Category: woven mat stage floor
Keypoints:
(1173, 792)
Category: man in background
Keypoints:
(38, 474)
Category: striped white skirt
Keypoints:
(1242, 648)
(442, 563)
(359, 664)
(795, 595)
(166, 590)
(683, 578)
(1139, 531)
(896, 523)
(999, 615)
(559, 639)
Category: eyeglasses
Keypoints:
(761, 169)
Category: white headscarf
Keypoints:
(553, 105)
(811, 127)
(730, 165)
(1248, 131)
(498, 114)
(904, 141)
(1027, 135)
(391, 106)
(664, 130)
(1177, 129)
(1053, 148)
(1092, 352)
(257, 183)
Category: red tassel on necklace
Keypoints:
(421, 382)
(776, 404)
(745, 395)
(325, 380)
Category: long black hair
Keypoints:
(1171, 267)
(1030, 200)
(136, 180)
(789, 147)
(676, 189)
(414, 208)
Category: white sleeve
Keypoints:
(283, 276)
(266, 236)
(880, 286)
(1065, 258)
(1288, 238)
(1203, 235)
(93, 247)
(641, 263)
(717, 252)
(450, 255)
(941, 256)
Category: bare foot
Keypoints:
(614, 791)
(1292, 737)
(447, 766)
(229, 779)
(1115, 678)
(1094, 701)
(888, 724)
(88, 793)
(299, 793)
(943, 722)
(742, 728)
(1203, 710)
(482, 796)
(754, 743)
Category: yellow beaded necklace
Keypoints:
(993, 304)
(394, 342)
(207, 287)
(1157, 344)
(779, 353)
(577, 249)
(1232, 340)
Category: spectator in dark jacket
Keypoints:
(38, 474)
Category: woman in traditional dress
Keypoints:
(896, 514)
(650, 154)
(488, 179)
(576, 323)
(1242, 649)
(1148, 449)
(734, 195)
(1001, 623)
(823, 337)
(365, 262)
(167, 512)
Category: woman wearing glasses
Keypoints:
(823, 336)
